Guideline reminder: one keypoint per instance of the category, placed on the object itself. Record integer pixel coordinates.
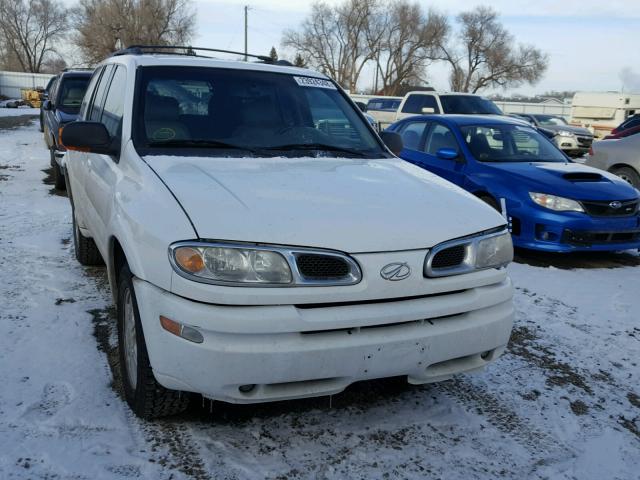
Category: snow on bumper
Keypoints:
(293, 352)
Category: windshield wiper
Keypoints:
(316, 146)
(197, 144)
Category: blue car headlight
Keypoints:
(558, 204)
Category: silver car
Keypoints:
(620, 157)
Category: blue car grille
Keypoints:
(585, 238)
(608, 209)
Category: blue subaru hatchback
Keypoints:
(551, 203)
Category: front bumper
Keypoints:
(289, 351)
(573, 232)
(574, 145)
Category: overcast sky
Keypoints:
(590, 42)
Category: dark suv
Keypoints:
(61, 107)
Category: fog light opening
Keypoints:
(486, 355)
(247, 388)
(183, 331)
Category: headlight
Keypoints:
(464, 255)
(565, 133)
(235, 265)
(232, 264)
(553, 202)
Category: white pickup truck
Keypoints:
(263, 243)
(420, 103)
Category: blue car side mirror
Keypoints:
(447, 153)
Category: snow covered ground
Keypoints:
(14, 112)
(562, 403)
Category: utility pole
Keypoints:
(246, 14)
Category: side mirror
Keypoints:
(90, 137)
(426, 110)
(46, 105)
(447, 153)
(393, 141)
(362, 106)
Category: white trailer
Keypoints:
(601, 112)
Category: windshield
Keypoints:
(71, 93)
(468, 105)
(233, 112)
(383, 104)
(509, 143)
(551, 121)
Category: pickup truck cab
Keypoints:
(262, 242)
(61, 107)
(424, 103)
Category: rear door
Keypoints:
(77, 162)
(413, 134)
(102, 170)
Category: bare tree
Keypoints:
(29, 30)
(404, 40)
(104, 26)
(485, 55)
(334, 39)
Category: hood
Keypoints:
(583, 132)
(351, 205)
(571, 180)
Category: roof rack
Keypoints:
(191, 51)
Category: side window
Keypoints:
(98, 99)
(89, 93)
(415, 104)
(440, 137)
(114, 102)
(412, 133)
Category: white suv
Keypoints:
(262, 243)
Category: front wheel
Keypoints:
(629, 175)
(146, 397)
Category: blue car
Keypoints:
(552, 203)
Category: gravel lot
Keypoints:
(562, 403)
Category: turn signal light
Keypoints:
(182, 331)
(189, 259)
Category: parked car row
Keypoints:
(61, 105)
(552, 204)
(263, 242)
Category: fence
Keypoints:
(12, 82)
(563, 110)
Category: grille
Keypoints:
(604, 209)
(585, 141)
(588, 238)
(449, 257)
(322, 267)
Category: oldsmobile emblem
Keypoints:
(615, 205)
(395, 271)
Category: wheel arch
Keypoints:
(622, 165)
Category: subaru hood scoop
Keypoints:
(350, 205)
(583, 177)
(571, 180)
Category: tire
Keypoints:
(58, 176)
(628, 174)
(41, 122)
(87, 252)
(146, 397)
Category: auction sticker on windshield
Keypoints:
(314, 82)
